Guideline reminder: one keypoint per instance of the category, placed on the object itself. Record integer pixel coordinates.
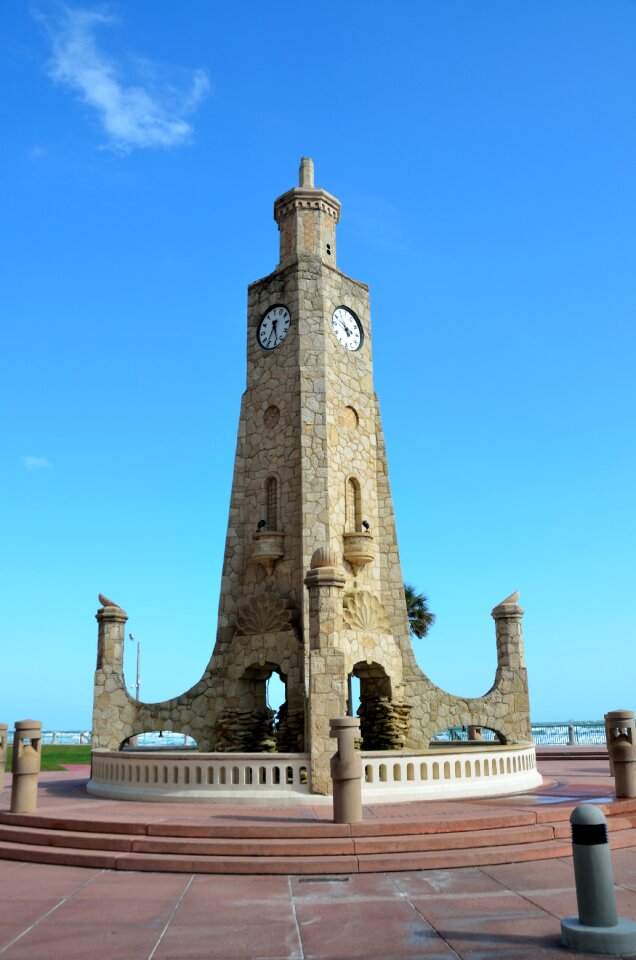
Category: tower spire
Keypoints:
(306, 172)
(307, 216)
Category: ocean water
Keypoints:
(581, 731)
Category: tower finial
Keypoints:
(306, 172)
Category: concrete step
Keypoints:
(298, 847)
(315, 864)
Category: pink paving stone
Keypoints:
(500, 934)
(116, 885)
(17, 915)
(535, 875)
(208, 907)
(476, 910)
(357, 886)
(237, 887)
(38, 881)
(371, 930)
(124, 912)
(463, 880)
(56, 940)
(562, 903)
(266, 941)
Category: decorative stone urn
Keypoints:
(269, 548)
(358, 549)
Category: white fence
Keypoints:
(455, 772)
(198, 776)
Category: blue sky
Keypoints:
(484, 154)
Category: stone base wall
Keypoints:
(226, 710)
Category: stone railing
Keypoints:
(465, 771)
(198, 776)
(460, 771)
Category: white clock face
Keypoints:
(347, 329)
(274, 327)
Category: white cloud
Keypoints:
(36, 463)
(133, 114)
(37, 153)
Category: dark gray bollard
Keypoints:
(598, 928)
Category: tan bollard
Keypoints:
(622, 750)
(4, 730)
(475, 733)
(609, 720)
(27, 753)
(346, 771)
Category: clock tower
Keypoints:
(311, 520)
(311, 587)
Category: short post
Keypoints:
(571, 735)
(621, 746)
(4, 736)
(346, 771)
(617, 720)
(598, 928)
(475, 733)
(27, 753)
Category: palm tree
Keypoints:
(420, 617)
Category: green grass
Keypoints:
(56, 757)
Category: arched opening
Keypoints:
(384, 724)
(353, 506)
(271, 503)
(159, 740)
(264, 723)
(467, 735)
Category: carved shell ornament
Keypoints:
(265, 613)
(363, 611)
(324, 557)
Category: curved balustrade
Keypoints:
(198, 776)
(456, 772)
(387, 776)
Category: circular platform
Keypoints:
(287, 837)
(444, 772)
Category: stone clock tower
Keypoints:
(312, 587)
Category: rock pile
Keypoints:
(290, 730)
(249, 732)
(384, 724)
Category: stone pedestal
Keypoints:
(27, 753)
(620, 730)
(346, 771)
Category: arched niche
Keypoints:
(468, 734)
(383, 722)
(159, 740)
(353, 506)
